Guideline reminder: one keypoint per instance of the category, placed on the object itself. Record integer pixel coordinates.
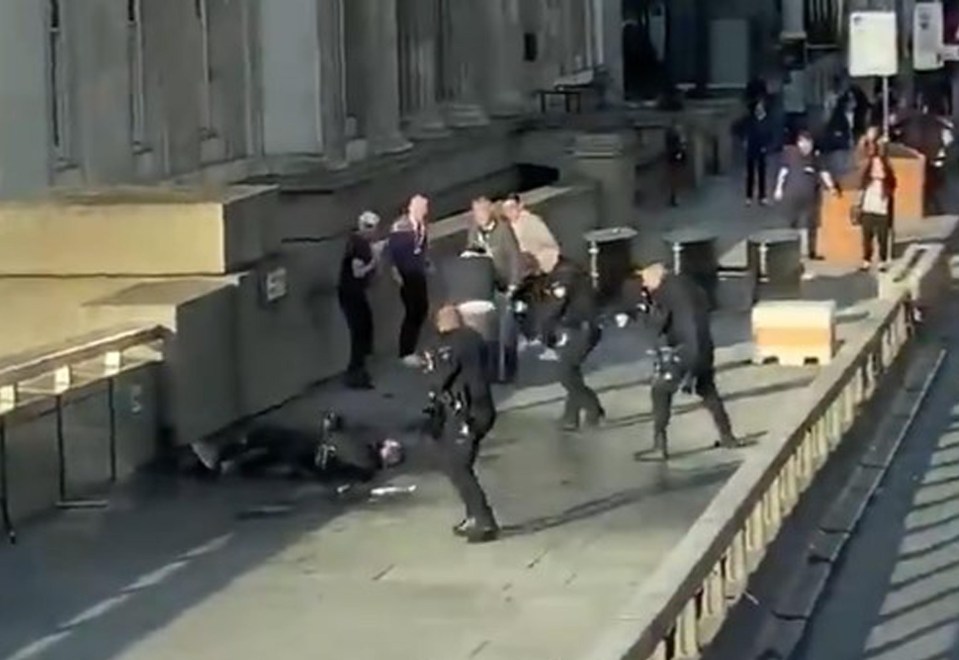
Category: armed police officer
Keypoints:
(570, 326)
(461, 414)
(678, 312)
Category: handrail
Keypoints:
(681, 607)
(60, 360)
(36, 362)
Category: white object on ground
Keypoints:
(386, 491)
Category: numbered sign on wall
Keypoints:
(872, 44)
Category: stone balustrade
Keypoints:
(679, 610)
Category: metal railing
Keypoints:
(683, 605)
(31, 382)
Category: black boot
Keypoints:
(570, 419)
(661, 444)
(594, 419)
(358, 379)
(483, 535)
(729, 441)
(474, 532)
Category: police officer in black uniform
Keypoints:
(570, 325)
(462, 413)
(678, 312)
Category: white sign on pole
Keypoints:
(872, 44)
(927, 47)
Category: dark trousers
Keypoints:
(705, 387)
(579, 397)
(933, 189)
(530, 292)
(875, 231)
(359, 320)
(674, 178)
(459, 456)
(416, 305)
(755, 175)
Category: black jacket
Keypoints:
(350, 453)
(460, 368)
(680, 317)
(570, 302)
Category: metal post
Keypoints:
(885, 107)
(61, 449)
(4, 485)
(112, 412)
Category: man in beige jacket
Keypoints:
(539, 254)
(536, 242)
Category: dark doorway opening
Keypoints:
(644, 36)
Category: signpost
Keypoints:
(873, 51)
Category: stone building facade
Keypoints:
(100, 92)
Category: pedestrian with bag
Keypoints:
(874, 210)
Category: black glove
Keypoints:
(645, 302)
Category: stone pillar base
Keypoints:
(466, 115)
(508, 106)
(427, 127)
(609, 160)
(395, 143)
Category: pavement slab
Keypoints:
(178, 568)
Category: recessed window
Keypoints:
(135, 54)
(60, 83)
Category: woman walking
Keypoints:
(875, 209)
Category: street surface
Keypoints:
(245, 569)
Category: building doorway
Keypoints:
(644, 48)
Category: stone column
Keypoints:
(332, 27)
(465, 45)
(609, 160)
(380, 49)
(612, 38)
(24, 141)
(793, 19)
(506, 57)
(423, 29)
(291, 100)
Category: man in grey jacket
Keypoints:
(494, 237)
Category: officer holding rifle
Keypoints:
(677, 311)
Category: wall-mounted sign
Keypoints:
(950, 31)
(274, 284)
(136, 399)
(927, 27)
(872, 44)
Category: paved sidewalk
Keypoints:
(183, 569)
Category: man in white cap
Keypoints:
(360, 259)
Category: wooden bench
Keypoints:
(794, 332)
(572, 87)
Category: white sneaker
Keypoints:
(412, 361)
(549, 355)
(808, 275)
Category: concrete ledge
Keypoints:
(139, 231)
